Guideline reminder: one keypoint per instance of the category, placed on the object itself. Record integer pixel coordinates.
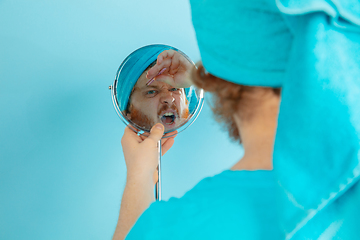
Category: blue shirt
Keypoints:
(232, 204)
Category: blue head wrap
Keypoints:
(232, 38)
(311, 49)
(132, 68)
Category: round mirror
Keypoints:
(153, 85)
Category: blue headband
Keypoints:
(132, 68)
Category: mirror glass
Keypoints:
(153, 85)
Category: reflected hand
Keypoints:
(172, 68)
(141, 152)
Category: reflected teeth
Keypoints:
(168, 114)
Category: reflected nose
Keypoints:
(167, 97)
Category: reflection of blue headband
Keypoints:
(132, 68)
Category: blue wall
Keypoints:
(62, 170)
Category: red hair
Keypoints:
(227, 99)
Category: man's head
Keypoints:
(131, 69)
(158, 102)
(230, 98)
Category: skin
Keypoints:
(177, 69)
(149, 103)
(258, 131)
(140, 154)
(257, 134)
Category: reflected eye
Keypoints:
(176, 91)
(150, 93)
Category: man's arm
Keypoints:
(141, 162)
(137, 197)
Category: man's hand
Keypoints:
(172, 68)
(141, 159)
(141, 152)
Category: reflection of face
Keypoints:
(157, 103)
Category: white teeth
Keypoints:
(169, 114)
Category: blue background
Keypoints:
(62, 170)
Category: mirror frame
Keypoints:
(140, 130)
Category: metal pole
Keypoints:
(158, 183)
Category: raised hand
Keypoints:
(171, 68)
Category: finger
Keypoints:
(156, 133)
(129, 137)
(172, 134)
(168, 135)
(165, 54)
(154, 71)
(163, 140)
(175, 64)
(166, 79)
(131, 133)
(167, 145)
(143, 137)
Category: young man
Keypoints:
(216, 206)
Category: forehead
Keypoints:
(141, 83)
(142, 80)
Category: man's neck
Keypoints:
(258, 135)
(257, 156)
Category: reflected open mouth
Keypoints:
(168, 118)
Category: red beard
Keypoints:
(144, 121)
(140, 119)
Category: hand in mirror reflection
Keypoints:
(172, 68)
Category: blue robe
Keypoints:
(232, 204)
(311, 49)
